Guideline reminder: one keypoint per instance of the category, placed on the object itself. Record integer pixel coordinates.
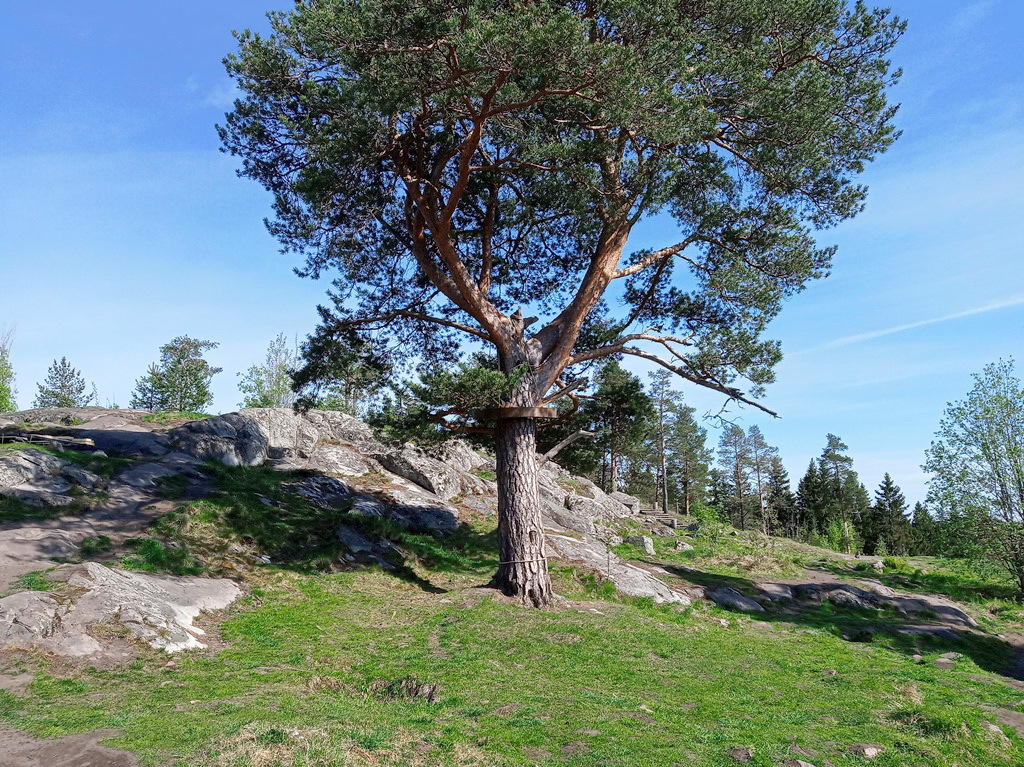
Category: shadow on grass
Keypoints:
(962, 587)
(252, 510)
(883, 627)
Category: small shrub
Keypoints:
(151, 555)
(897, 564)
(599, 587)
(91, 547)
(33, 581)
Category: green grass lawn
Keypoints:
(421, 666)
(312, 663)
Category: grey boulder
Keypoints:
(645, 542)
(231, 439)
(628, 579)
(733, 600)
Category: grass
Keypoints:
(169, 417)
(635, 684)
(33, 581)
(15, 510)
(101, 465)
(153, 556)
(321, 665)
(715, 552)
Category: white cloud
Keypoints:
(873, 334)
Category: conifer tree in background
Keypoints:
(782, 505)
(761, 457)
(180, 382)
(689, 460)
(836, 472)
(8, 392)
(623, 417)
(810, 500)
(64, 387)
(734, 458)
(663, 398)
(887, 525)
(270, 384)
(922, 531)
(148, 393)
(342, 372)
(858, 501)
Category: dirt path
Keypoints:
(20, 749)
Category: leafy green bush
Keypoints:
(152, 556)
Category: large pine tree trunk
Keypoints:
(522, 568)
(522, 571)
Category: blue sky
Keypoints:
(122, 226)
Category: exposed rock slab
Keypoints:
(157, 609)
(232, 439)
(627, 578)
(416, 466)
(338, 459)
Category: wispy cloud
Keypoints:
(222, 95)
(871, 335)
(969, 17)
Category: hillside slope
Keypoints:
(365, 634)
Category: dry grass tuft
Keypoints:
(263, 746)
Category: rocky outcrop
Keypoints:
(232, 439)
(156, 609)
(627, 578)
(352, 471)
(41, 479)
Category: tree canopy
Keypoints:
(977, 462)
(64, 387)
(451, 162)
(472, 171)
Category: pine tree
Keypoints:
(664, 398)
(835, 468)
(689, 460)
(810, 501)
(64, 387)
(761, 456)
(623, 418)
(342, 372)
(454, 162)
(734, 456)
(181, 380)
(148, 390)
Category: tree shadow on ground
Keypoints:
(959, 587)
(907, 634)
(255, 508)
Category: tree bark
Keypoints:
(522, 569)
